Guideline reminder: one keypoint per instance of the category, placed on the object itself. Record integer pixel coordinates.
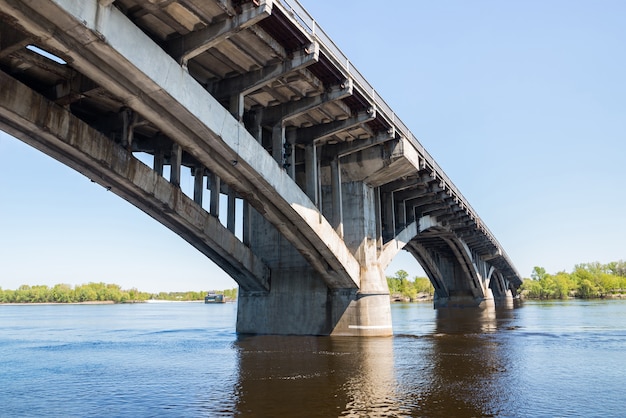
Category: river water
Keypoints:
(184, 359)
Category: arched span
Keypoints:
(448, 261)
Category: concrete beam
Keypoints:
(189, 46)
(344, 149)
(430, 267)
(286, 111)
(397, 244)
(398, 185)
(317, 132)
(254, 80)
(12, 40)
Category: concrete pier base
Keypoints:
(505, 301)
(465, 301)
(300, 304)
(367, 316)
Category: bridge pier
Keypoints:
(300, 304)
(465, 300)
(504, 301)
(300, 300)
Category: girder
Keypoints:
(194, 43)
(318, 132)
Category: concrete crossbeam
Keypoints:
(254, 80)
(193, 44)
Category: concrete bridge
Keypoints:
(322, 184)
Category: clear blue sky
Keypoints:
(522, 103)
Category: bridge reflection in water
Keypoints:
(452, 370)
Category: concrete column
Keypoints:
(278, 139)
(299, 300)
(337, 218)
(214, 207)
(389, 222)
(310, 162)
(505, 300)
(253, 124)
(246, 223)
(129, 119)
(290, 159)
(379, 225)
(158, 161)
(198, 185)
(370, 313)
(230, 220)
(410, 214)
(400, 210)
(177, 156)
(237, 106)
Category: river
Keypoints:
(185, 360)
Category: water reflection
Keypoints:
(316, 376)
(467, 359)
(454, 369)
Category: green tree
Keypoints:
(538, 273)
(586, 289)
(423, 285)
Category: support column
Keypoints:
(335, 174)
(198, 184)
(230, 219)
(246, 223)
(310, 162)
(504, 301)
(159, 160)
(370, 313)
(379, 225)
(300, 301)
(176, 159)
(278, 139)
(290, 152)
(214, 207)
(389, 222)
(400, 208)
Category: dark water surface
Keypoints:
(184, 359)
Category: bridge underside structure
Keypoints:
(321, 183)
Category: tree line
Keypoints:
(587, 280)
(96, 292)
(403, 288)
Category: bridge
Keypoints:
(319, 182)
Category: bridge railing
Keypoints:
(306, 21)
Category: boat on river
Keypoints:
(213, 297)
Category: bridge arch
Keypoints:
(459, 275)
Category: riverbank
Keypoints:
(421, 297)
(618, 296)
(96, 302)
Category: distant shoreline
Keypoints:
(95, 302)
(100, 302)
